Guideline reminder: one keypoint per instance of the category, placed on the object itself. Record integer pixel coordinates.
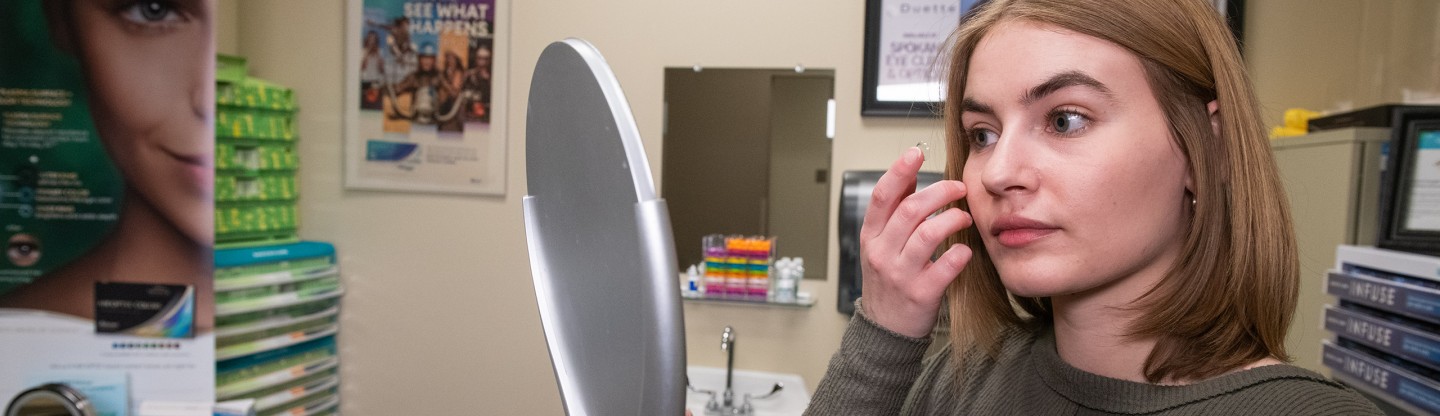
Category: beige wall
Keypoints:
(1340, 54)
(440, 315)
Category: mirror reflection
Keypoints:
(746, 151)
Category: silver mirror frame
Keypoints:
(601, 249)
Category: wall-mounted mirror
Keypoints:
(747, 151)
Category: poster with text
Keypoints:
(913, 36)
(425, 108)
(59, 193)
(106, 200)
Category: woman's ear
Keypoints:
(1190, 183)
(1213, 108)
(57, 19)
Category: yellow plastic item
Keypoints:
(1299, 118)
(1297, 123)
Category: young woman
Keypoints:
(372, 72)
(149, 70)
(1108, 173)
(451, 99)
(477, 82)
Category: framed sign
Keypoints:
(905, 52)
(905, 45)
(425, 95)
(1413, 177)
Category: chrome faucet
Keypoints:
(727, 344)
(727, 406)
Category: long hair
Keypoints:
(1228, 299)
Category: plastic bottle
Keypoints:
(787, 279)
(693, 286)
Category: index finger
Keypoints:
(897, 183)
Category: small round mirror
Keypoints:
(50, 400)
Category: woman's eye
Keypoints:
(22, 251)
(983, 137)
(25, 248)
(149, 12)
(1068, 122)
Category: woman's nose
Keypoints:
(1009, 167)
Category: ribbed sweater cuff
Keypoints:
(872, 372)
(875, 344)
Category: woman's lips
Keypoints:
(1021, 237)
(1014, 231)
(197, 168)
(196, 160)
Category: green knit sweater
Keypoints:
(878, 372)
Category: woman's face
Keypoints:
(372, 41)
(1075, 182)
(148, 66)
(482, 58)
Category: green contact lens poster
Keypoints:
(106, 200)
(106, 150)
(59, 193)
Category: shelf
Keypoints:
(1388, 404)
(275, 278)
(278, 301)
(314, 388)
(272, 323)
(1396, 297)
(319, 405)
(275, 342)
(1385, 379)
(805, 303)
(276, 378)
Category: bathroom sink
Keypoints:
(788, 402)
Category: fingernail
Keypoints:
(913, 155)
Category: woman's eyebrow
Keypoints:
(1055, 83)
(971, 105)
(1061, 81)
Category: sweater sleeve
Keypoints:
(871, 373)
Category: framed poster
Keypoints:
(905, 52)
(425, 99)
(905, 42)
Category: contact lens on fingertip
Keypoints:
(924, 150)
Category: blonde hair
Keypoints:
(1228, 299)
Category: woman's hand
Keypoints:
(902, 287)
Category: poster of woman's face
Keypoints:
(106, 198)
(115, 132)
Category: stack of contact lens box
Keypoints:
(256, 190)
(276, 320)
(737, 267)
(1386, 326)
